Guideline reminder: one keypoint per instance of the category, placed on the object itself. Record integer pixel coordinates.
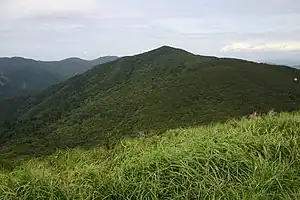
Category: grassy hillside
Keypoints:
(250, 159)
(155, 91)
(21, 77)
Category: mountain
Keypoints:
(21, 77)
(11, 108)
(287, 62)
(73, 66)
(146, 94)
(25, 80)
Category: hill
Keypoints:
(248, 159)
(146, 94)
(287, 62)
(21, 77)
(25, 80)
(11, 108)
(74, 66)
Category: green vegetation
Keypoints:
(248, 159)
(21, 77)
(24, 80)
(11, 108)
(165, 124)
(152, 92)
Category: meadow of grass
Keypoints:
(242, 159)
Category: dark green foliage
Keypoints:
(147, 94)
(21, 77)
(24, 80)
(73, 66)
(12, 108)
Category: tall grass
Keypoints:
(248, 159)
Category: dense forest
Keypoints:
(22, 77)
(143, 95)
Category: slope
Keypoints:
(73, 66)
(149, 93)
(21, 77)
(11, 108)
(25, 80)
(250, 159)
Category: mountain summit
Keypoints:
(148, 93)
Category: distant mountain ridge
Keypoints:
(149, 93)
(21, 76)
(286, 62)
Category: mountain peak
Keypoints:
(19, 58)
(166, 88)
(73, 59)
(165, 50)
(167, 47)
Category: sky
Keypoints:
(263, 30)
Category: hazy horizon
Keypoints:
(252, 30)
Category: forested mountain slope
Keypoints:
(148, 93)
(21, 77)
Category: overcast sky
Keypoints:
(56, 29)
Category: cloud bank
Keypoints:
(56, 29)
(272, 46)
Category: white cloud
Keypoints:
(51, 6)
(196, 25)
(20, 9)
(271, 46)
(14, 10)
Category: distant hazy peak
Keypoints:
(18, 74)
(19, 58)
(105, 57)
(96, 59)
(73, 59)
(16, 58)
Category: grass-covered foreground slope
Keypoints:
(163, 89)
(248, 159)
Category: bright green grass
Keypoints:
(247, 159)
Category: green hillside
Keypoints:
(14, 107)
(24, 80)
(73, 66)
(145, 94)
(22, 77)
(251, 159)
